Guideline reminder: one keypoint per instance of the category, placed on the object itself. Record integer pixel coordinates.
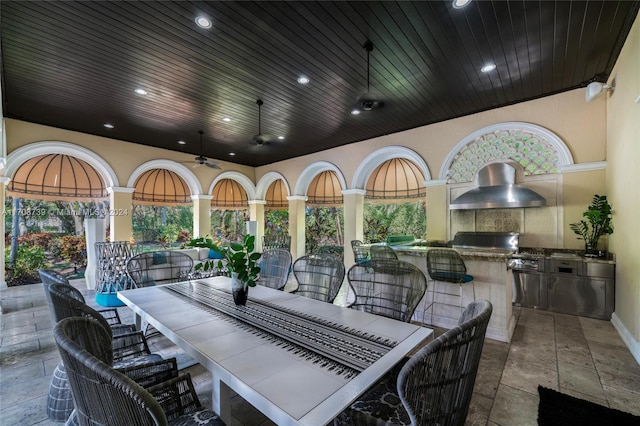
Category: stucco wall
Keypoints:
(580, 124)
(623, 186)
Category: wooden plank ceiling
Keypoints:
(75, 65)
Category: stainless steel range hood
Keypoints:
(497, 190)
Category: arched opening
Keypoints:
(276, 215)
(324, 215)
(49, 196)
(229, 210)
(395, 201)
(162, 209)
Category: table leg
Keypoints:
(221, 400)
(138, 321)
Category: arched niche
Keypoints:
(535, 149)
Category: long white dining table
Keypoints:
(297, 360)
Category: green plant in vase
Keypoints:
(239, 259)
(598, 223)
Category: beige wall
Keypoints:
(580, 124)
(623, 186)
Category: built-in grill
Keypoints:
(501, 242)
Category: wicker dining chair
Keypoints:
(275, 265)
(159, 267)
(319, 276)
(383, 252)
(127, 348)
(434, 387)
(276, 241)
(446, 265)
(104, 395)
(360, 252)
(388, 287)
(50, 276)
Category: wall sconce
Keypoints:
(595, 89)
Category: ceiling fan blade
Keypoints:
(212, 165)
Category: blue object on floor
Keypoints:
(108, 299)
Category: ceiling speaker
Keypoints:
(595, 89)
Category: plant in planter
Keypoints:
(239, 259)
(598, 223)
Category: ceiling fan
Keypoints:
(201, 160)
(261, 139)
(369, 100)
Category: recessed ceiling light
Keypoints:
(488, 67)
(140, 91)
(203, 21)
(182, 143)
(232, 154)
(459, 4)
(281, 137)
(108, 125)
(355, 112)
(227, 119)
(303, 79)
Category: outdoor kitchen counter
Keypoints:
(492, 282)
(488, 255)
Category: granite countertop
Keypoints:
(499, 256)
(491, 256)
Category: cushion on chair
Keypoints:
(380, 405)
(200, 417)
(451, 276)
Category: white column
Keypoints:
(437, 210)
(94, 230)
(121, 218)
(256, 214)
(296, 224)
(201, 215)
(353, 200)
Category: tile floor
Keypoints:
(579, 356)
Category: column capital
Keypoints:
(4, 179)
(297, 198)
(435, 182)
(354, 192)
(258, 202)
(202, 197)
(120, 190)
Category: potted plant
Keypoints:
(598, 223)
(239, 259)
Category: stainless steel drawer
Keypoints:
(600, 269)
(564, 267)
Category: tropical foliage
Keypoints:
(239, 258)
(382, 220)
(229, 225)
(598, 222)
(25, 268)
(161, 224)
(323, 227)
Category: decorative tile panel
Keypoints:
(533, 152)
